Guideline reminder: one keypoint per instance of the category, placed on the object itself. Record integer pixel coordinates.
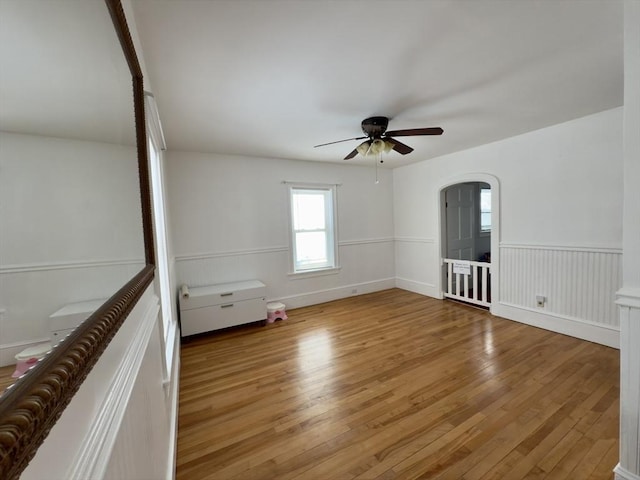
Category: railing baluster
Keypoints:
(475, 282)
(480, 281)
(484, 284)
(466, 286)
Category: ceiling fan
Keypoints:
(379, 140)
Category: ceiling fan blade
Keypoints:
(339, 141)
(352, 154)
(416, 131)
(399, 146)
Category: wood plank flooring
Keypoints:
(5, 377)
(394, 385)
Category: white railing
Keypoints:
(468, 281)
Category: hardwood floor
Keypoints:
(5, 377)
(394, 385)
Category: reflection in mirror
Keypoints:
(71, 227)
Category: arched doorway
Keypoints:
(469, 239)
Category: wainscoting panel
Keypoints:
(629, 305)
(143, 423)
(578, 283)
(366, 265)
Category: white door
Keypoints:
(460, 219)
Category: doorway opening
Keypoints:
(466, 242)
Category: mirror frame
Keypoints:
(33, 404)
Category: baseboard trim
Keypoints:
(330, 294)
(624, 474)
(602, 334)
(422, 288)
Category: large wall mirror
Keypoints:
(74, 200)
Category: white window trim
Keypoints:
(167, 321)
(318, 272)
(324, 270)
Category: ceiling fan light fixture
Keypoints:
(377, 147)
(363, 148)
(374, 147)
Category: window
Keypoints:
(169, 324)
(313, 232)
(485, 209)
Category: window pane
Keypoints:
(485, 209)
(311, 248)
(485, 200)
(308, 211)
(485, 221)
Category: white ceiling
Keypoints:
(62, 72)
(273, 78)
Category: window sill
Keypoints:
(314, 273)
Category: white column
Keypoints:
(629, 294)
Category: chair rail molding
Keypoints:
(628, 297)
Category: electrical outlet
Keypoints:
(540, 301)
(354, 291)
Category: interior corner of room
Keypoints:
(524, 203)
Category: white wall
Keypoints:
(229, 222)
(560, 203)
(71, 230)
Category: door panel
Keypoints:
(460, 208)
